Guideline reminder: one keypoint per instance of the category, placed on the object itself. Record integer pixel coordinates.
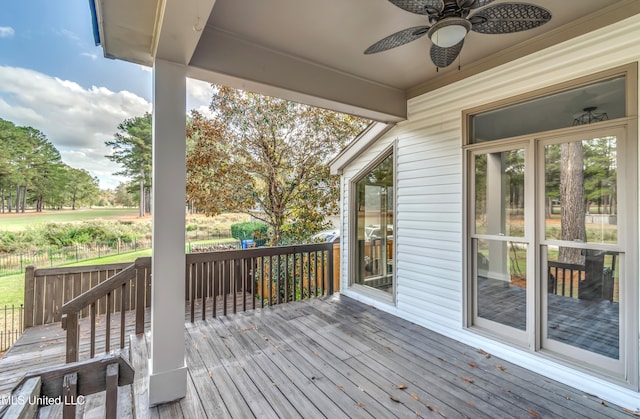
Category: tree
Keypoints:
(572, 200)
(268, 157)
(81, 187)
(132, 150)
(29, 165)
(122, 196)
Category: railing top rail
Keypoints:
(572, 266)
(94, 294)
(256, 252)
(79, 269)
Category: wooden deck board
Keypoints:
(328, 357)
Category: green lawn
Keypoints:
(11, 290)
(12, 286)
(15, 222)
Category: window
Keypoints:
(551, 224)
(373, 231)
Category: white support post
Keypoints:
(496, 216)
(167, 369)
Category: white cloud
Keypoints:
(69, 34)
(6, 32)
(198, 96)
(90, 55)
(145, 68)
(76, 120)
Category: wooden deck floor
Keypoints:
(334, 357)
(593, 325)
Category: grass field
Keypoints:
(12, 286)
(15, 222)
(11, 290)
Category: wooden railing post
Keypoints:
(111, 404)
(329, 277)
(29, 284)
(69, 395)
(140, 305)
(70, 324)
(336, 266)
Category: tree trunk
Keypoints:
(572, 205)
(18, 188)
(147, 200)
(142, 206)
(10, 201)
(73, 200)
(24, 198)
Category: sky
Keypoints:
(55, 79)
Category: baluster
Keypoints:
(244, 278)
(286, 278)
(124, 295)
(261, 278)
(205, 290)
(278, 280)
(92, 349)
(107, 336)
(192, 281)
(216, 277)
(308, 274)
(295, 264)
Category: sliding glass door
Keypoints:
(582, 251)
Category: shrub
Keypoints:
(249, 230)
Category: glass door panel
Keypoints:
(374, 227)
(501, 251)
(581, 253)
(583, 301)
(501, 282)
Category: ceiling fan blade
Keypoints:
(421, 7)
(508, 18)
(397, 39)
(473, 4)
(443, 57)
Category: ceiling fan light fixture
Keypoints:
(449, 31)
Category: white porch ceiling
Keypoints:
(312, 51)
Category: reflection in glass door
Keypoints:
(500, 246)
(374, 227)
(581, 251)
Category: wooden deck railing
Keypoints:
(591, 281)
(216, 282)
(238, 280)
(124, 291)
(47, 290)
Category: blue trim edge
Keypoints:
(94, 22)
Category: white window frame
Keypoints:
(389, 298)
(624, 371)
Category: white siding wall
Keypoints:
(429, 190)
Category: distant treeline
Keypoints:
(32, 174)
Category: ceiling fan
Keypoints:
(449, 22)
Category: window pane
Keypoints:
(501, 282)
(500, 194)
(547, 113)
(583, 301)
(581, 191)
(374, 227)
